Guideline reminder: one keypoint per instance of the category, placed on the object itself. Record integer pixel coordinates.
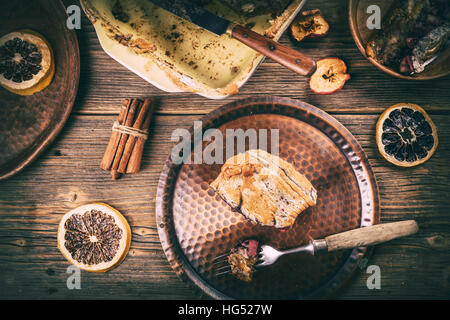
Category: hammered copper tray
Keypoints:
(29, 124)
(195, 224)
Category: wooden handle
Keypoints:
(290, 58)
(368, 236)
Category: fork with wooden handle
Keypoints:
(361, 237)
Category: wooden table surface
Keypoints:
(68, 175)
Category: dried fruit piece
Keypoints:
(415, 29)
(406, 136)
(26, 62)
(330, 76)
(406, 65)
(94, 237)
(309, 24)
(242, 259)
(429, 46)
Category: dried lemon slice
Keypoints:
(26, 62)
(406, 136)
(95, 237)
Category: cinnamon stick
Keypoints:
(131, 141)
(134, 163)
(124, 137)
(125, 148)
(115, 138)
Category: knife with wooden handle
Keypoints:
(290, 58)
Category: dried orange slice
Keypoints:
(26, 62)
(95, 237)
(406, 136)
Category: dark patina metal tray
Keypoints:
(29, 124)
(195, 224)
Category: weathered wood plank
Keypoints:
(68, 175)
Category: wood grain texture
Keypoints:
(68, 175)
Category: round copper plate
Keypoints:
(29, 124)
(195, 224)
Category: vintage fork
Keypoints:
(361, 237)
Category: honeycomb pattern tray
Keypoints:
(195, 224)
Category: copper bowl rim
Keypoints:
(45, 140)
(357, 38)
(169, 174)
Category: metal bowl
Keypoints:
(357, 12)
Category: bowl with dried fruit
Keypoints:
(407, 39)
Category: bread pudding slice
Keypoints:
(264, 188)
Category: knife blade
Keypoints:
(290, 58)
(195, 14)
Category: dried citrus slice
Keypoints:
(26, 62)
(95, 237)
(406, 136)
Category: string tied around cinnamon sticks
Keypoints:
(129, 133)
(130, 130)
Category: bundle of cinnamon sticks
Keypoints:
(126, 145)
